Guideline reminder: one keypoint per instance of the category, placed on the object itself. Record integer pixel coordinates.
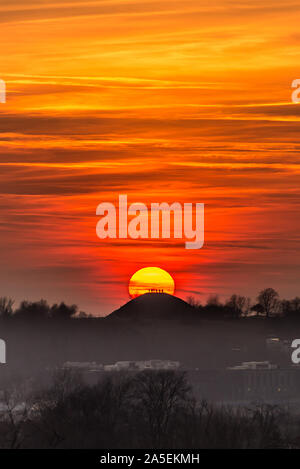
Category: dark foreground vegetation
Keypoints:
(150, 409)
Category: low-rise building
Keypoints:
(84, 366)
(158, 365)
(265, 365)
(140, 365)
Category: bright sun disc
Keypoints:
(151, 280)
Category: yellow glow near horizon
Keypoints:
(151, 280)
(164, 101)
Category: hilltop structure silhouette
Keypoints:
(151, 307)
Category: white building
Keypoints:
(110, 368)
(143, 365)
(158, 365)
(126, 365)
(266, 365)
(83, 366)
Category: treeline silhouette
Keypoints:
(268, 304)
(38, 310)
(149, 409)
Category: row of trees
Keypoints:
(150, 409)
(37, 310)
(267, 304)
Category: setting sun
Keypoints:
(151, 280)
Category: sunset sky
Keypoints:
(186, 101)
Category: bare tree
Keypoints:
(213, 300)
(236, 304)
(295, 303)
(6, 307)
(70, 415)
(160, 394)
(247, 307)
(265, 417)
(269, 301)
(13, 419)
(63, 311)
(51, 409)
(37, 310)
(191, 300)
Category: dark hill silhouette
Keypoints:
(153, 307)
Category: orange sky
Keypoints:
(164, 101)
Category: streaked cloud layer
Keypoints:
(164, 101)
